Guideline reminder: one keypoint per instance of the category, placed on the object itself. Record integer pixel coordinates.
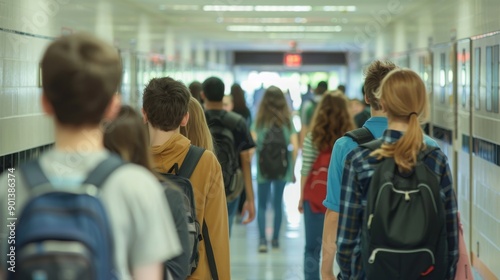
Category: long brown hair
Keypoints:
(128, 137)
(197, 129)
(402, 94)
(331, 120)
(273, 109)
(239, 103)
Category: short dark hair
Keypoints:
(373, 78)
(80, 75)
(322, 87)
(165, 102)
(341, 88)
(213, 88)
(195, 89)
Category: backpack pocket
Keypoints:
(389, 263)
(54, 259)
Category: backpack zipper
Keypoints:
(406, 193)
(374, 253)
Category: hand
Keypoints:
(301, 205)
(328, 276)
(248, 207)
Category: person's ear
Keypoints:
(185, 120)
(47, 106)
(367, 101)
(144, 116)
(113, 107)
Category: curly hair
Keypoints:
(331, 120)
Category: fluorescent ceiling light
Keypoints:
(185, 7)
(259, 8)
(227, 8)
(283, 8)
(282, 28)
(339, 8)
(264, 20)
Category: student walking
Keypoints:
(274, 132)
(330, 122)
(165, 109)
(398, 209)
(127, 136)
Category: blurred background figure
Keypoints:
(195, 89)
(239, 103)
(341, 88)
(227, 103)
(361, 117)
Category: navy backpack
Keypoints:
(65, 234)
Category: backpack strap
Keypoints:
(230, 120)
(361, 135)
(210, 252)
(102, 171)
(190, 161)
(34, 175)
(373, 145)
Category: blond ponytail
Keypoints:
(403, 94)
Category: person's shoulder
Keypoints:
(132, 179)
(344, 145)
(429, 141)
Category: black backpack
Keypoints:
(273, 156)
(180, 177)
(360, 135)
(221, 127)
(404, 228)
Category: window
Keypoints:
(477, 78)
(442, 78)
(494, 78)
(488, 79)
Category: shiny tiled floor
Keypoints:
(285, 263)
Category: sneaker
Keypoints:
(275, 243)
(263, 246)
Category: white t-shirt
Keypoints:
(140, 219)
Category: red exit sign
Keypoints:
(293, 60)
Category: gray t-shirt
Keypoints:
(139, 215)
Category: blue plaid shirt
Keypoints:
(356, 179)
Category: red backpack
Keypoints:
(315, 188)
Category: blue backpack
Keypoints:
(65, 234)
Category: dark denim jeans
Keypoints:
(314, 233)
(263, 191)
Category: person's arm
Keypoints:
(350, 218)
(249, 205)
(329, 245)
(149, 272)
(332, 203)
(451, 210)
(309, 155)
(295, 144)
(216, 220)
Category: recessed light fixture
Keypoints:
(282, 28)
(263, 8)
(259, 8)
(227, 8)
(339, 8)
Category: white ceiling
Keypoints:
(127, 18)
